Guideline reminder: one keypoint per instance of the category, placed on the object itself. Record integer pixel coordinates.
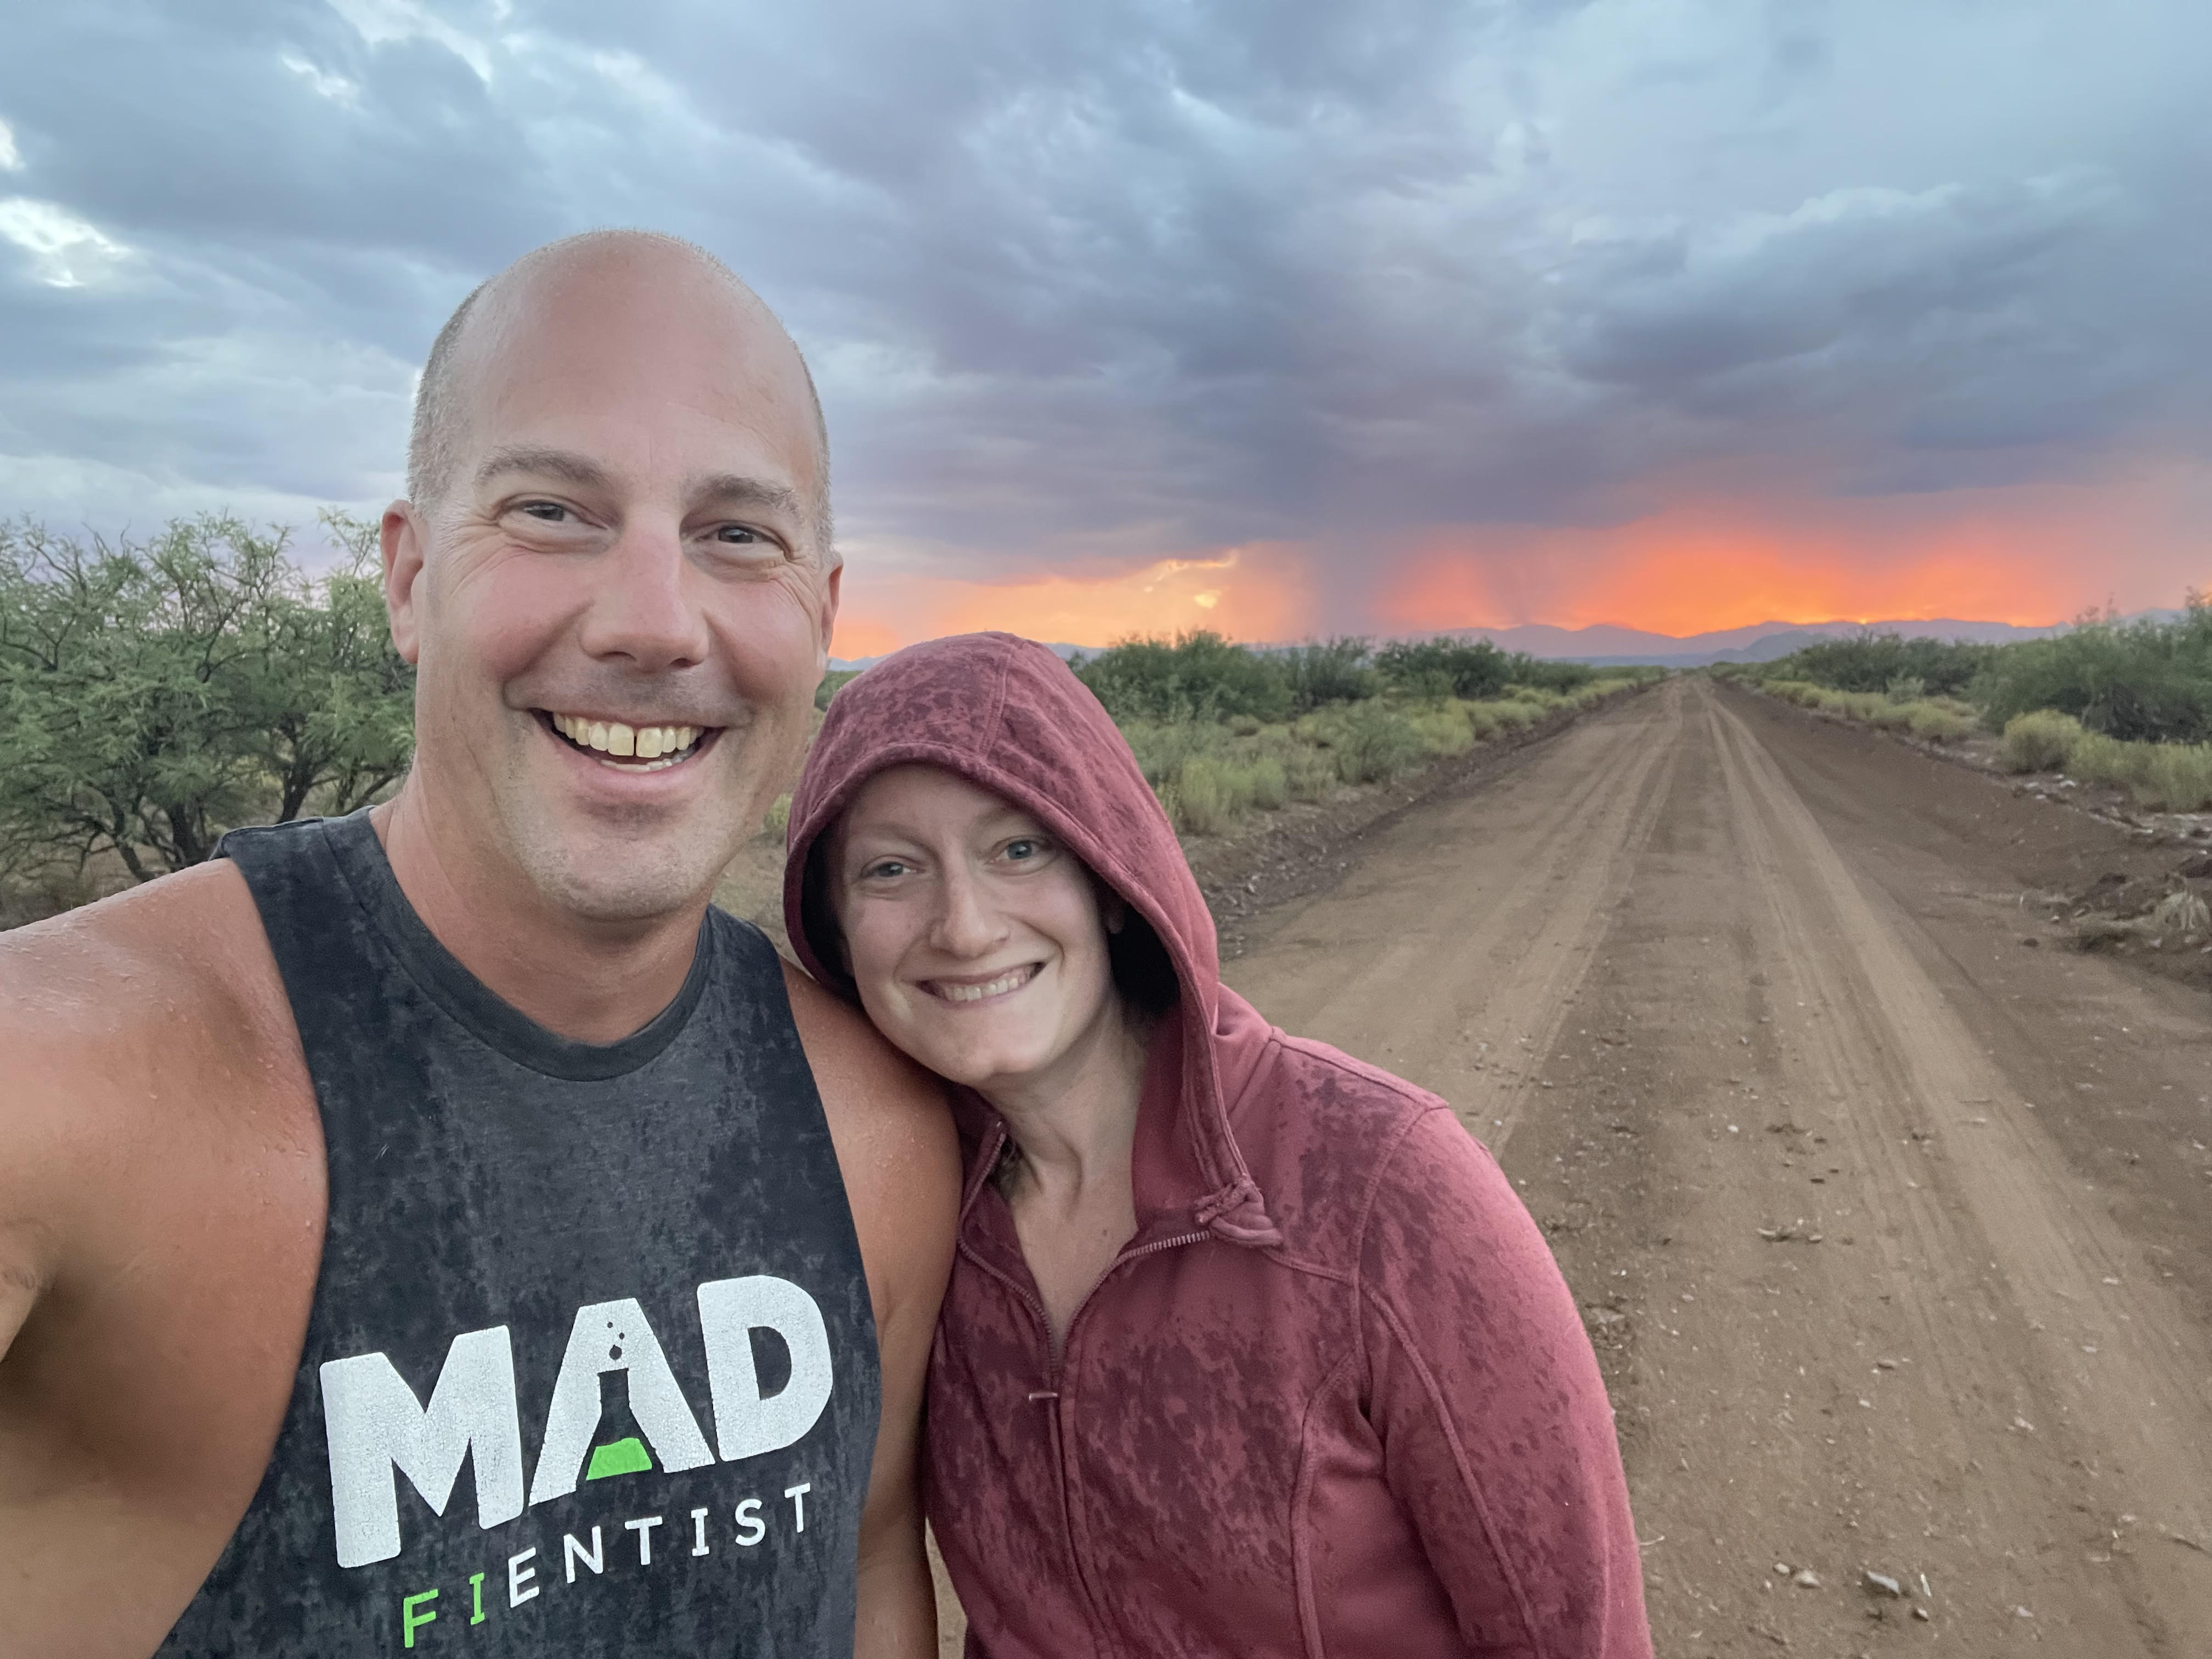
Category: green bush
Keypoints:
(1876, 662)
(2097, 758)
(1271, 783)
(2146, 682)
(2039, 741)
(2176, 777)
(1937, 724)
(1330, 672)
(1372, 743)
(1193, 677)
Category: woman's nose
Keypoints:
(966, 924)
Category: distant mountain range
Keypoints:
(1610, 644)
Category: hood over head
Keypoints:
(1010, 717)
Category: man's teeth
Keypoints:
(999, 987)
(639, 742)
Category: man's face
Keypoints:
(618, 609)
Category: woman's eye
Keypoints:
(884, 871)
(1027, 847)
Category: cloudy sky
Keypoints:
(1283, 316)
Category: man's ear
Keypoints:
(832, 589)
(402, 539)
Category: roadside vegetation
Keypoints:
(2123, 704)
(1223, 731)
(155, 693)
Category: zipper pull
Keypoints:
(1044, 1393)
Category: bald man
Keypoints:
(438, 1230)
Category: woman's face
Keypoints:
(976, 940)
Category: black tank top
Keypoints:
(590, 1368)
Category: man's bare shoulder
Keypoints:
(129, 1027)
(895, 1143)
(178, 960)
(852, 1060)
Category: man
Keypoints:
(421, 1231)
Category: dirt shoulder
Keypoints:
(2092, 869)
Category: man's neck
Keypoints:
(589, 981)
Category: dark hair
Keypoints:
(1144, 973)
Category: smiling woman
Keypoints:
(1249, 1347)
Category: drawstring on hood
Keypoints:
(1010, 717)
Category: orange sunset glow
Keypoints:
(2031, 555)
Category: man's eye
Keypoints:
(735, 534)
(546, 511)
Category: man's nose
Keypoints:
(643, 610)
(966, 924)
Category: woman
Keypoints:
(1250, 1348)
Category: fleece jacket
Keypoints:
(1334, 1397)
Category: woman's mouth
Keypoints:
(629, 748)
(948, 990)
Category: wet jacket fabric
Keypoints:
(1334, 1397)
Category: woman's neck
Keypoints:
(1075, 1123)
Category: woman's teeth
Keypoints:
(1012, 981)
(659, 746)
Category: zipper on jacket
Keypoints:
(1053, 1397)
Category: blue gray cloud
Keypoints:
(1091, 285)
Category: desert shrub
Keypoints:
(1906, 688)
(1193, 677)
(1329, 671)
(1161, 747)
(1549, 674)
(1308, 774)
(2039, 741)
(1875, 662)
(1449, 667)
(1271, 783)
(1509, 714)
(1937, 724)
(2147, 682)
(2097, 758)
(1204, 798)
(2176, 777)
(1443, 730)
(1243, 726)
(1372, 743)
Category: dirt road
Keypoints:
(1893, 1232)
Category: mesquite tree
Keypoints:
(155, 693)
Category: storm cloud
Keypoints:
(1089, 287)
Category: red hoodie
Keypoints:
(1334, 1397)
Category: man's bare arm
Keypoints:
(901, 1163)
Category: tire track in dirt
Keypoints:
(1750, 1028)
(1510, 936)
(2108, 1366)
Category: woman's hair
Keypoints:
(1144, 973)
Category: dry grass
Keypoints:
(2039, 742)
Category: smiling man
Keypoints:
(437, 1229)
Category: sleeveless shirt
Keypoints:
(591, 1367)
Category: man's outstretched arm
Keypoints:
(901, 1163)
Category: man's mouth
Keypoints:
(630, 748)
(979, 991)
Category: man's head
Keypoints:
(614, 575)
